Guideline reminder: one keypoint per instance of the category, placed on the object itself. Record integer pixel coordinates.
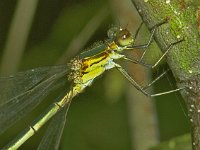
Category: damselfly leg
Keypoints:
(157, 62)
(142, 89)
(138, 30)
(146, 45)
(140, 61)
(156, 79)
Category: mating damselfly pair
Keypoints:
(80, 71)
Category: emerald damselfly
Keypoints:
(35, 84)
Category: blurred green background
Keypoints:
(98, 119)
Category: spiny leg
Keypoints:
(130, 79)
(165, 53)
(167, 92)
(156, 79)
(148, 43)
(138, 30)
(153, 29)
(157, 62)
(133, 82)
(146, 65)
(152, 66)
(136, 61)
(162, 93)
(144, 46)
(139, 88)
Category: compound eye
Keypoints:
(124, 38)
(112, 32)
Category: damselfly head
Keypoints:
(122, 37)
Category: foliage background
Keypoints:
(98, 118)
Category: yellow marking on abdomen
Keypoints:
(95, 62)
(92, 74)
(96, 68)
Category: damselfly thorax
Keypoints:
(92, 63)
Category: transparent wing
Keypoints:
(21, 103)
(52, 136)
(15, 85)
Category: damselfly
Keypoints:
(81, 71)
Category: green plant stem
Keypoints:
(183, 58)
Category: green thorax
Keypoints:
(95, 50)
